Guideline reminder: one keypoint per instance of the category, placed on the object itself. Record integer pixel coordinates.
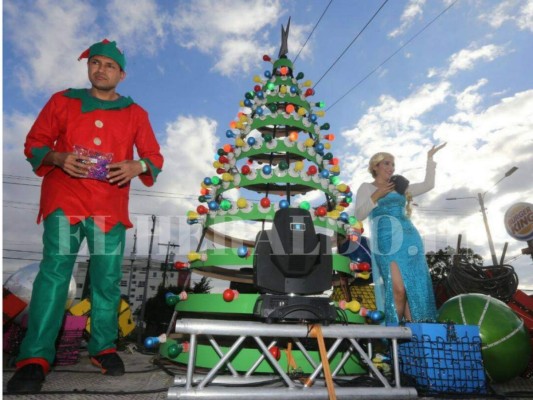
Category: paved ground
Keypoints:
(147, 378)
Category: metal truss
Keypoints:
(224, 382)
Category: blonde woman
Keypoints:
(402, 282)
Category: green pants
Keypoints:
(62, 242)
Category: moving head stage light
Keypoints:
(292, 262)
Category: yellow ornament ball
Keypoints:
(192, 215)
(227, 177)
(309, 142)
(239, 142)
(242, 202)
(298, 166)
(334, 214)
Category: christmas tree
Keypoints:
(278, 152)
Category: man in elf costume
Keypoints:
(82, 143)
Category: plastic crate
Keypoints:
(443, 358)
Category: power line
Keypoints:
(393, 54)
(134, 192)
(308, 37)
(352, 42)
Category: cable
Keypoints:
(308, 37)
(352, 42)
(498, 281)
(134, 192)
(393, 54)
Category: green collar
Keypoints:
(90, 103)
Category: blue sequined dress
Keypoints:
(395, 239)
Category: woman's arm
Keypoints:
(363, 201)
(429, 181)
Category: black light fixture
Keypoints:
(292, 261)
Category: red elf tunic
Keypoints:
(73, 117)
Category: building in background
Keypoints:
(133, 280)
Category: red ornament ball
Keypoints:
(228, 295)
(275, 351)
(265, 202)
(321, 211)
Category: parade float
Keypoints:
(298, 317)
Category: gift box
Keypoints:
(70, 339)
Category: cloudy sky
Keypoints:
(420, 73)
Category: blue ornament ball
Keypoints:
(242, 251)
(283, 204)
(251, 141)
(213, 205)
(267, 169)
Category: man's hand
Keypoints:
(74, 165)
(124, 171)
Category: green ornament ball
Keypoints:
(173, 351)
(284, 165)
(506, 346)
(352, 220)
(305, 205)
(215, 180)
(225, 204)
(172, 300)
(335, 180)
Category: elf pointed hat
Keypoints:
(107, 49)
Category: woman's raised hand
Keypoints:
(434, 149)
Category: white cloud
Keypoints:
(396, 122)
(412, 10)
(188, 151)
(524, 20)
(469, 98)
(466, 59)
(519, 12)
(49, 36)
(140, 27)
(229, 30)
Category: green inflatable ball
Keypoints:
(506, 346)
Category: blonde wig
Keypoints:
(375, 160)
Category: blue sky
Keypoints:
(465, 80)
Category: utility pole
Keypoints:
(133, 256)
(167, 257)
(481, 200)
(489, 236)
(145, 292)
